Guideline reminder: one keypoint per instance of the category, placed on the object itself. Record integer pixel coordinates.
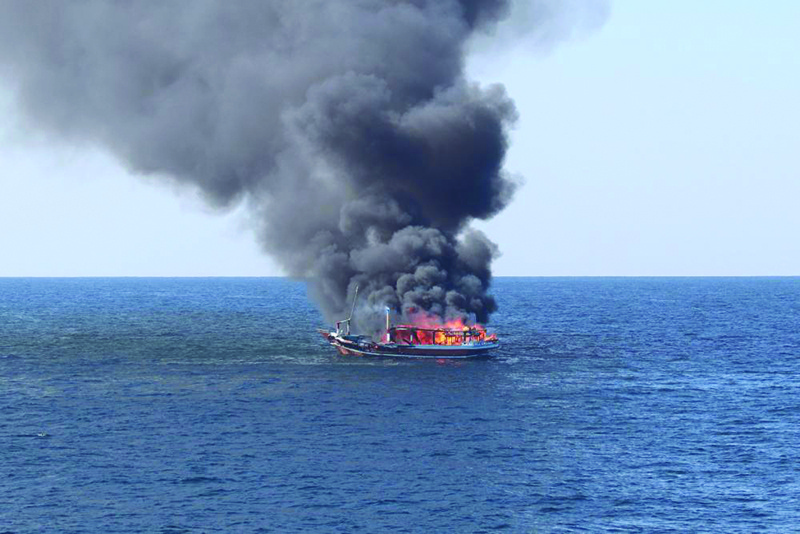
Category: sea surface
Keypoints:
(212, 405)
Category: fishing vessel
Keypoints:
(453, 340)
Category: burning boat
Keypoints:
(452, 340)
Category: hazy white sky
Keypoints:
(666, 143)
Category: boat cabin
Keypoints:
(413, 335)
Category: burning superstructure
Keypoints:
(451, 337)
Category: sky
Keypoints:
(664, 143)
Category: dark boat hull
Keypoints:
(392, 350)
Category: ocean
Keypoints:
(192, 405)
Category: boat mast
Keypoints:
(352, 310)
(388, 335)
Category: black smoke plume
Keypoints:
(348, 126)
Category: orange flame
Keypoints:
(435, 331)
(423, 319)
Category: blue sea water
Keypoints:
(212, 405)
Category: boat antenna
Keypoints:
(353, 309)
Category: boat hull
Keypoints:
(392, 350)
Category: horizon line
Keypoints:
(493, 277)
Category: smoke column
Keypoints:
(347, 127)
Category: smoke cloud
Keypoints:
(347, 127)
